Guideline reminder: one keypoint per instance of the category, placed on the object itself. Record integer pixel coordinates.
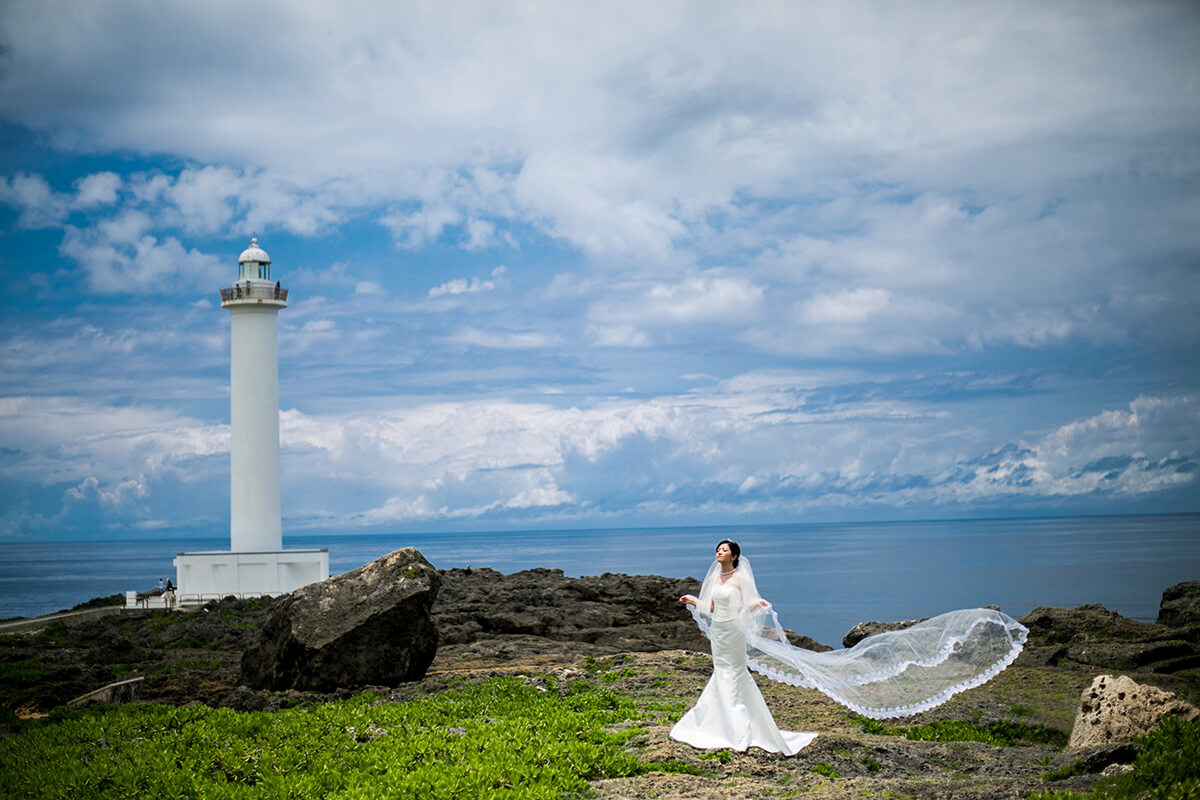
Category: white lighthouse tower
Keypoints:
(256, 562)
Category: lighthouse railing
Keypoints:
(253, 292)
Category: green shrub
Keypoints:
(1167, 768)
(825, 769)
(500, 738)
(614, 676)
(1064, 772)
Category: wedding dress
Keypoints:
(731, 712)
(892, 674)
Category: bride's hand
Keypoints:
(687, 600)
(761, 604)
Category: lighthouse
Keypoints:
(254, 303)
(256, 563)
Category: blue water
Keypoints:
(822, 579)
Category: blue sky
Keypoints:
(602, 265)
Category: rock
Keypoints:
(369, 626)
(1180, 606)
(1115, 710)
(864, 629)
(1096, 637)
(625, 613)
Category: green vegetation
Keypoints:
(1003, 734)
(872, 764)
(1168, 768)
(825, 769)
(56, 633)
(25, 671)
(495, 739)
(722, 756)
(1064, 772)
(185, 664)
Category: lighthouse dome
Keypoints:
(254, 253)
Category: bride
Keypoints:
(731, 711)
(892, 674)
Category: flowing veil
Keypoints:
(893, 674)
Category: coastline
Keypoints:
(822, 578)
(513, 628)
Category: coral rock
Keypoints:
(1115, 710)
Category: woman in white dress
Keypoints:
(891, 674)
(731, 712)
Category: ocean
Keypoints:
(822, 578)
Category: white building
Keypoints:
(256, 563)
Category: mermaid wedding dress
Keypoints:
(892, 674)
(731, 711)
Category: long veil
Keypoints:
(892, 674)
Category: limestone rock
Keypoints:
(370, 626)
(864, 629)
(1114, 710)
(1096, 637)
(612, 612)
(1180, 606)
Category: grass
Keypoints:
(1003, 734)
(499, 738)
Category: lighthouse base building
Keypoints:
(256, 563)
(212, 575)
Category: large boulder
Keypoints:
(1180, 606)
(1116, 710)
(371, 626)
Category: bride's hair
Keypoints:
(733, 549)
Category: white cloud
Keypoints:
(505, 340)
(40, 206)
(846, 306)
(369, 288)
(472, 286)
(418, 228)
(133, 267)
(617, 335)
(98, 189)
(706, 298)
(114, 449)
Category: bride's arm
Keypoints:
(755, 603)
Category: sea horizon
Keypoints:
(822, 577)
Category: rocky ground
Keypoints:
(629, 633)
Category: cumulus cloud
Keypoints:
(504, 340)
(765, 443)
(131, 267)
(472, 286)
